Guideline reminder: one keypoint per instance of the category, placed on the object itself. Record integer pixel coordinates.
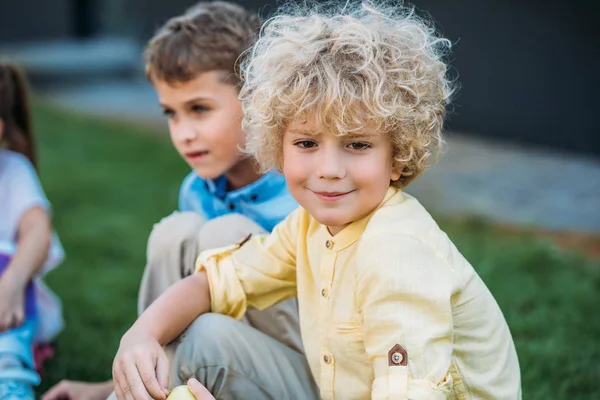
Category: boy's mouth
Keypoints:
(332, 196)
(194, 156)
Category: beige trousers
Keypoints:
(235, 361)
(259, 357)
(174, 245)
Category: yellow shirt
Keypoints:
(389, 308)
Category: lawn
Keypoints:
(109, 182)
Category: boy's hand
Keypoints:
(199, 391)
(140, 369)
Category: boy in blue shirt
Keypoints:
(192, 62)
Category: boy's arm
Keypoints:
(258, 274)
(177, 308)
(404, 294)
(141, 366)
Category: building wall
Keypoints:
(526, 68)
(23, 20)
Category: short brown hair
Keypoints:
(209, 36)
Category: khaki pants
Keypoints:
(259, 357)
(235, 361)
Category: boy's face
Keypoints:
(337, 179)
(205, 123)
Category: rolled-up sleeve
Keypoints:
(258, 273)
(404, 292)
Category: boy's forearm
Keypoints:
(175, 310)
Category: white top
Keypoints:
(20, 190)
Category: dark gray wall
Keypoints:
(528, 69)
(22, 20)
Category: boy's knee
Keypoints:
(225, 230)
(208, 328)
(207, 341)
(171, 231)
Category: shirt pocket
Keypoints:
(353, 371)
(348, 339)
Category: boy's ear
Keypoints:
(396, 172)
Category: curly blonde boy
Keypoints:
(380, 69)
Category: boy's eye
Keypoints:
(199, 109)
(168, 113)
(306, 144)
(359, 146)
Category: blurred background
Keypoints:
(518, 188)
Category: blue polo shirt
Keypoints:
(266, 201)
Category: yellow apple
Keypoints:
(181, 393)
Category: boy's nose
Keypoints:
(330, 164)
(185, 132)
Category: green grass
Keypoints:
(109, 182)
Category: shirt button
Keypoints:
(329, 244)
(325, 292)
(253, 197)
(231, 206)
(397, 358)
(327, 358)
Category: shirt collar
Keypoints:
(265, 186)
(350, 234)
(217, 186)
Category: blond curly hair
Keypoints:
(372, 67)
